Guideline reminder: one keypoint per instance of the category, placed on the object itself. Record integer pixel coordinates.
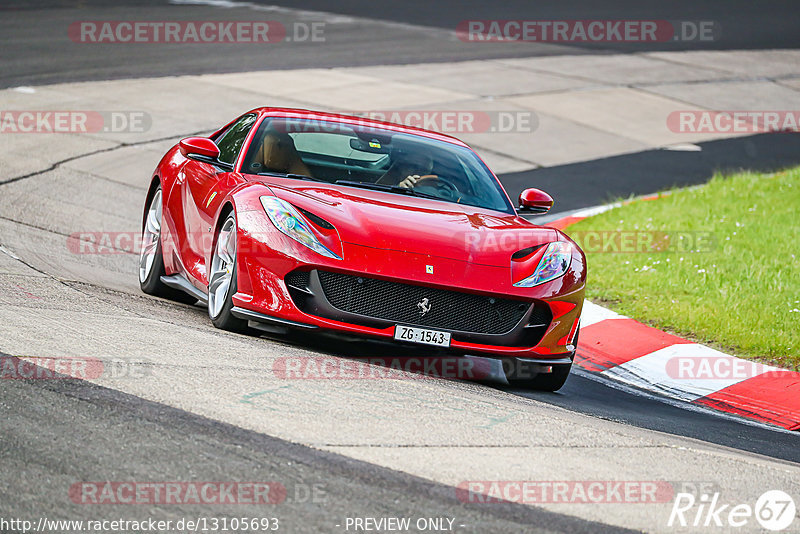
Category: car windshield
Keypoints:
(374, 158)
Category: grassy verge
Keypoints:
(719, 263)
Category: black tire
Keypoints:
(225, 320)
(550, 381)
(152, 284)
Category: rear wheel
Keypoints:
(222, 279)
(151, 260)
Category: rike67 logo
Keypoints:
(774, 510)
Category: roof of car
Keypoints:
(355, 119)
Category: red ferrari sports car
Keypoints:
(310, 220)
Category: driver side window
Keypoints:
(232, 140)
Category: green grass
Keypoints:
(739, 292)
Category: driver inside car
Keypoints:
(407, 170)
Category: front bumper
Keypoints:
(263, 268)
(309, 295)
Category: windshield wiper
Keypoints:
(292, 175)
(388, 188)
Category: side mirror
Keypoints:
(199, 148)
(535, 201)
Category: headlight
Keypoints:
(554, 263)
(287, 219)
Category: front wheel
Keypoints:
(222, 279)
(550, 381)
(151, 258)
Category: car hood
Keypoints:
(403, 223)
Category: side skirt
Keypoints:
(178, 281)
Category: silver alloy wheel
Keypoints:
(223, 263)
(150, 237)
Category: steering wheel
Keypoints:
(437, 181)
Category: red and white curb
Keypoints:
(628, 351)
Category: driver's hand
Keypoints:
(409, 181)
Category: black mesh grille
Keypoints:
(401, 303)
(540, 316)
(298, 279)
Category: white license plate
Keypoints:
(422, 335)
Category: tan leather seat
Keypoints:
(278, 154)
